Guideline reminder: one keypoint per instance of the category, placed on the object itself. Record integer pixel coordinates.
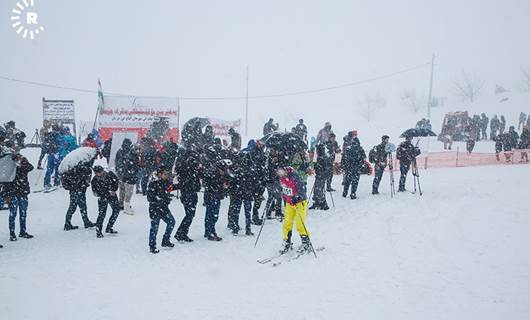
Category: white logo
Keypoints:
(25, 20)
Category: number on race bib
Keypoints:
(288, 191)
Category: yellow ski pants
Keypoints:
(291, 215)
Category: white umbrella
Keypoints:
(79, 155)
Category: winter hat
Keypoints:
(354, 133)
(385, 137)
(98, 168)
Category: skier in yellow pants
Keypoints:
(295, 196)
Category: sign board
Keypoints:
(221, 127)
(138, 114)
(59, 111)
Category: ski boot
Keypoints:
(286, 247)
(305, 246)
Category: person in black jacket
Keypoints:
(76, 181)
(352, 164)
(127, 167)
(380, 157)
(321, 175)
(241, 194)
(15, 193)
(105, 151)
(274, 188)
(104, 186)
(216, 182)
(406, 154)
(188, 171)
(159, 198)
(258, 160)
(332, 148)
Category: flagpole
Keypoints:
(100, 104)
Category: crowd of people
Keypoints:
(475, 128)
(166, 171)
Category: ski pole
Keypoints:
(262, 222)
(40, 171)
(305, 230)
(312, 189)
(418, 177)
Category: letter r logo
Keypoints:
(31, 18)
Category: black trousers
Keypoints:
(404, 168)
(189, 201)
(103, 203)
(351, 178)
(378, 175)
(77, 199)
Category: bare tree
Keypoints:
(525, 79)
(469, 87)
(412, 100)
(370, 104)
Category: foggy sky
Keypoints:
(201, 49)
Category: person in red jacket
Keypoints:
(89, 141)
(295, 196)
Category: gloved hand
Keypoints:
(296, 199)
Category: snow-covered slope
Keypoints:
(458, 252)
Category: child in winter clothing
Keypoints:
(15, 193)
(159, 197)
(295, 196)
(104, 186)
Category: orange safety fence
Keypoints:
(455, 159)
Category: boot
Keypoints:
(183, 238)
(353, 196)
(305, 246)
(324, 207)
(256, 220)
(111, 231)
(167, 243)
(25, 235)
(154, 250)
(89, 224)
(214, 237)
(249, 233)
(375, 191)
(99, 234)
(286, 247)
(345, 194)
(314, 206)
(13, 237)
(69, 226)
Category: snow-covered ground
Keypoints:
(458, 252)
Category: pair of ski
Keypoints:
(280, 258)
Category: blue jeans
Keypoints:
(168, 218)
(52, 168)
(235, 209)
(213, 205)
(20, 203)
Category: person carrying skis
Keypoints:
(406, 154)
(104, 186)
(76, 181)
(378, 156)
(159, 198)
(15, 193)
(295, 196)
